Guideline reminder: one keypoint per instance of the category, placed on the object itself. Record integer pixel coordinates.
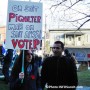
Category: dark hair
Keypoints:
(18, 63)
(59, 42)
(67, 53)
(73, 54)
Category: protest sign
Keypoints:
(24, 25)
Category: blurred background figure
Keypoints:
(72, 55)
(2, 53)
(6, 64)
(66, 52)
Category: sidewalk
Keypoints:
(83, 88)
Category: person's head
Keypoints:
(18, 62)
(57, 48)
(27, 55)
(66, 51)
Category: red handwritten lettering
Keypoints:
(36, 42)
(21, 18)
(11, 15)
(14, 42)
(27, 44)
(21, 44)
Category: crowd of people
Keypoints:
(32, 72)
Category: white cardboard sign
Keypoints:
(24, 25)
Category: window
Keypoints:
(70, 38)
(79, 38)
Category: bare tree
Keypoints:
(70, 5)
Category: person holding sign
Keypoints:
(30, 76)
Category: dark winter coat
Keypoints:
(31, 78)
(59, 72)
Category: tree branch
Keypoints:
(58, 4)
(74, 4)
(83, 23)
(78, 19)
(76, 10)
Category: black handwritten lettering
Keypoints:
(33, 34)
(15, 26)
(16, 34)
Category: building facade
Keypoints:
(2, 34)
(76, 41)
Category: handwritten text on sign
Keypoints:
(24, 25)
